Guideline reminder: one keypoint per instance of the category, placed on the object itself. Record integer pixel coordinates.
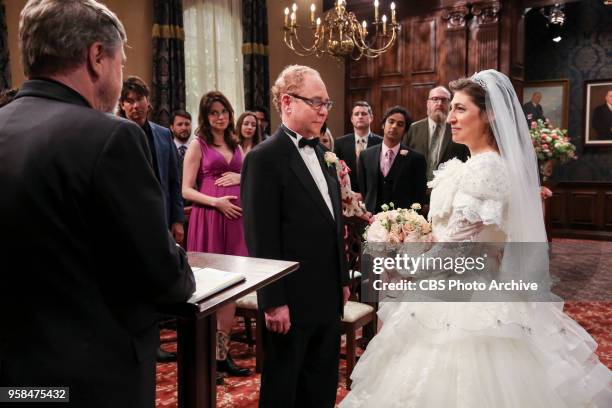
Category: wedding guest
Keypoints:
(292, 211)
(432, 137)
(134, 105)
(211, 180)
(248, 131)
(78, 187)
(390, 171)
(180, 126)
(602, 118)
(263, 119)
(350, 146)
(326, 138)
(533, 109)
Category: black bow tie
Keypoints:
(309, 142)
(303, 142)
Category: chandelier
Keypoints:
(341, 34)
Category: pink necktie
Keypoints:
(387, 162)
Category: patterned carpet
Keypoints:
(582, 274)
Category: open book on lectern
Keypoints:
(210, 281)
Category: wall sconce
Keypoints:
(555, 19)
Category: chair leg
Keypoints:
(259, 353)
(350, 356)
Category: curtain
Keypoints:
(168, 87)
(213, 51)
(5, 66)
(255, 52)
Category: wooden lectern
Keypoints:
(197, 323)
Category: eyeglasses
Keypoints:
(217, 114)
(316, 103)
(436, 99)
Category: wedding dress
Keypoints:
(484, 354)
(477, 355)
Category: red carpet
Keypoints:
(595, 317)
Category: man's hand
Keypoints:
(178, 232)
(278, 319)
(346, 293)
(228, 179)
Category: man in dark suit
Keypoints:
(602, 118)
(390, 172)
(134, 105)
(350, 146)
(532, 109)
(292, 211)
(83, 218)
(432, 137)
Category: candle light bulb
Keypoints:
(393, 12)
(364, 24)
(286, 11)
(384, 21)
(392, 6)
(294, 7)
(384, 18)
(312, 8)
(286, 15)
(376, 10)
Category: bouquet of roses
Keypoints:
(399, 225)
(551, 145)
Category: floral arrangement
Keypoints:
(399, 225)
(551, 145)
(352, 205)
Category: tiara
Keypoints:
(479, 81)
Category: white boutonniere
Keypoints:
(403, 152)
(330, 159)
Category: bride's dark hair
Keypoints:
(472, 89)
(478, 95)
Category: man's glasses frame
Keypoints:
(436, 99)
(315, 103)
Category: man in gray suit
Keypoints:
(431, 136)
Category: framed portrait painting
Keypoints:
(551, 96)
(598, 113)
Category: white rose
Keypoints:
(377, 233)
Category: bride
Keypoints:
(483, 355)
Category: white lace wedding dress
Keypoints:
(477, 355)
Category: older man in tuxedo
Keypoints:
(350, 146)
(432, 137)
(83, 218)
(602, 118)
(292, 211)
(391, 172)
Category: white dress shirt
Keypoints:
(311, 160)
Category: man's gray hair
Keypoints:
(54, 35)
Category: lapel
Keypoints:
(446, 139)
(157, 146)
(423, 138)
(351, 158)
(373, 165)
(331, 177)
(297, 165)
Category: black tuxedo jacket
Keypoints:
(408, 176)
(417, 139)
(84, 227)
(344, 147)
(286, 218)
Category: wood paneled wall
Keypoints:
(581, 210)
(440, 41)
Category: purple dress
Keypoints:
(210, 230)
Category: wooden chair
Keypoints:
(356, 315)
(246, 307)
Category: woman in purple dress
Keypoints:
(211, 180)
